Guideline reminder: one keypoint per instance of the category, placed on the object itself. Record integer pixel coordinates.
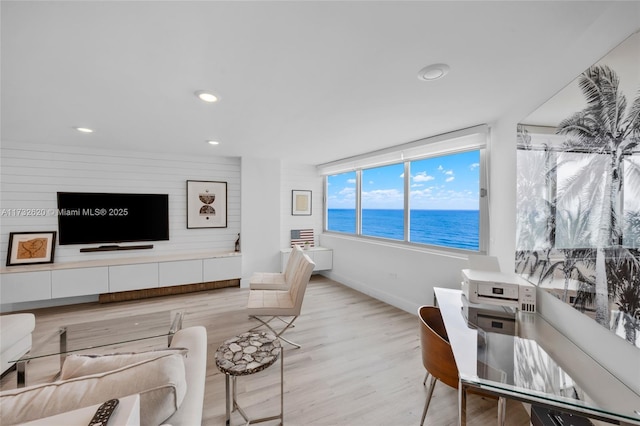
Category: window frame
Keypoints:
(379, 158)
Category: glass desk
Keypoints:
(115, 333)
(520, 356)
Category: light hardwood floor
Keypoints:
(359, 363)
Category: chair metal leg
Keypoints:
(277, 333)
(284, 321)
(262, 322)
(297, 345)
(426, 376)
(432, 385)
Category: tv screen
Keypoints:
(89, 218)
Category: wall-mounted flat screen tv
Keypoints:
(89, 218)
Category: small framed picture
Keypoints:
(206, 204)
(300, 203)
(28, 248)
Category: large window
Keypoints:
(445, 201)
(383, 202)
(341, 202)
(430, 195)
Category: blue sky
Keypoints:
(440, 183)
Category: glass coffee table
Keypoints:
(122, 334)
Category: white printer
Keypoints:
(498, 288)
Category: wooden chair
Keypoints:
(282, 304)
(438, 360)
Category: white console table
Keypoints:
(321, 256)
(29, 283)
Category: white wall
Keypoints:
(300, 177)
(32, 174)
(394, 273)
(260, 237)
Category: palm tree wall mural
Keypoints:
(578, 224)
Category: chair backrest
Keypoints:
(292, 262)
(437, 356)
(301, 276)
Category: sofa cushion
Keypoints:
(78, 365)
(160, 381)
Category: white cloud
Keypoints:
(378, 194)
(351, 181)
(382, 198)
(422, 193)
(347, 191)
(423, 177)
(438, 197)
(449, 179)
(474, 166)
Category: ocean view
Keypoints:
(448, 228)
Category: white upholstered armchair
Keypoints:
(266, 305)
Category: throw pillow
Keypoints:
(78, 365)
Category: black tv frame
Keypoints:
(102, 209)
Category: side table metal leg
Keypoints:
(21, 373)
(281, 387)
(227, 400)
(462, 404)
(234, 394)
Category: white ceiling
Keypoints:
(624, 60)
(302, 81)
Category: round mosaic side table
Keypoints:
(246, 354)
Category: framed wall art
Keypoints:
(206, 204)
(28, 248)
(300, 203)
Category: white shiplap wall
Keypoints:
(32, 174)
(304, 177)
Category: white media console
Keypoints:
(59, 280)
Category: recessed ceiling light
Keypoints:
(206, 96)
(213, 142)
(433, 72)
(84, 130)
